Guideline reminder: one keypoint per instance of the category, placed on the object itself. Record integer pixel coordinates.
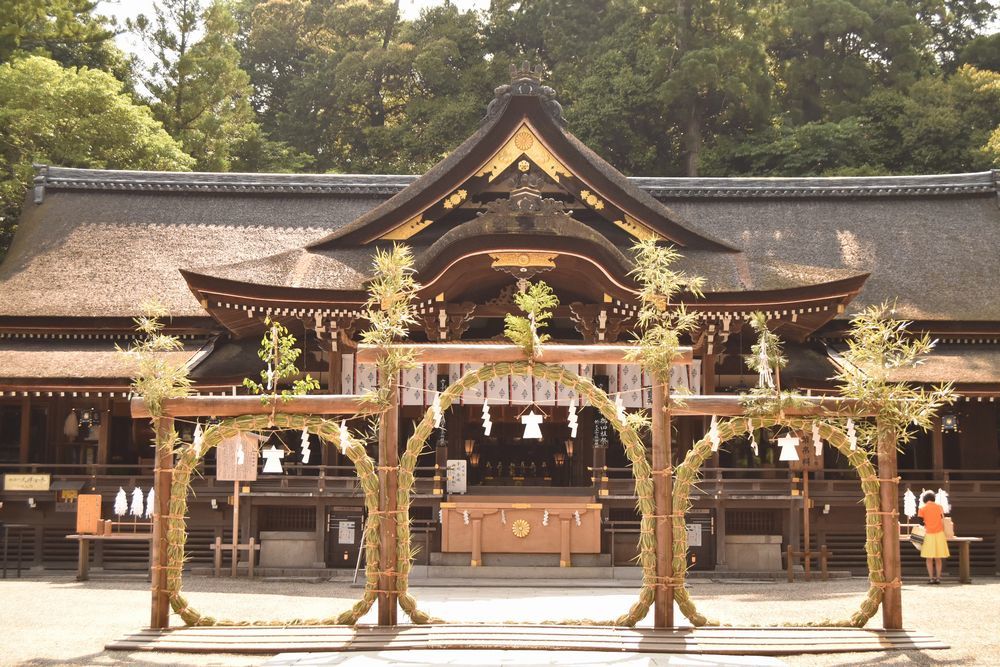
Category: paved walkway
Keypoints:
(58, 621)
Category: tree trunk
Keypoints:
(692, 139)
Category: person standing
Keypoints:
(935, 547)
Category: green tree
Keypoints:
(71, 117)
(198, 89)
(953, 24)
(43, 26)
(831, 54)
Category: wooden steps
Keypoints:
(727, 641)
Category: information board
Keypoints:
(88, 513)
(236, 459)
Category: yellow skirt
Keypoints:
(935, 546)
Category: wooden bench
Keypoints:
(823, 555)
(83, 558)
(250, 548)
(964, 558)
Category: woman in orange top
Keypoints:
(935, 547)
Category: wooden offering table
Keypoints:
(521, 525)
(964, 559)
(83, 559)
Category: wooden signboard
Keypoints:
(236, 459)
(13, 482)
(88, 513)
(808, 460)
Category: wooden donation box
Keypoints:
(521, 525)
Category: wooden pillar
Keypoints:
(104, 432)
(663, 610)
(892, 600)
(162, 477)
(24, 444)
(336, 368)
(476, 559)
(937, 448)
(565, 557)
(388, 473)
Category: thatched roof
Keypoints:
(100, 243)
(31, 359)
(978, 364)
(104, 252)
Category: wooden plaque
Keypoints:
(227, 465)
(808, 461)
(88, 513)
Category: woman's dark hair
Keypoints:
(929, 497)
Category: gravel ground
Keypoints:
(58, 621)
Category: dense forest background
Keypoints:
(657, 87)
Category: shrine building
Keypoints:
(522, 198)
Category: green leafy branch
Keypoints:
(157, 377)
(661, 324)
(390, 314)
(279, 351)
(536, 301)
(767, 358)
(877, 346)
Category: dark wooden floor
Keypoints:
(743, 641)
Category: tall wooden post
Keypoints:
(937, 449)
(892, 599)
(24, 444)
(388, 473)
(236, 526)
(104, 432)
(663, 610)
(162, 478)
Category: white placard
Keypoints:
(345, 532)
(456, 480)
(694, 534)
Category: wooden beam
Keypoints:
(470, 353)
(730, 406)
(163, 473)
(892, 598)
(234, 406)
(388, 474)
(663, 597)
(104, 432)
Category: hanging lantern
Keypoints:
(273, 457)
(949, 423)
(304, 441)
(469, 446)
(909, 504)
(532, 422)
(573, 419)
(569, 448)
(474, 459)
(487, 424)
(788, 444)
(713, 434)
(71, 428)
(559, 458)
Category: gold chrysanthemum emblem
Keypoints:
(523, 140)
(520, 528)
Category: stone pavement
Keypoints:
(512, 659)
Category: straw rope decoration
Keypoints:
(188, 458)
(687, 476)
(634, 449)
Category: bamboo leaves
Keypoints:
(278, 351)
(536, 301)
(660, 324)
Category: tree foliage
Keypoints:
(536, 301)
(73, 117)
